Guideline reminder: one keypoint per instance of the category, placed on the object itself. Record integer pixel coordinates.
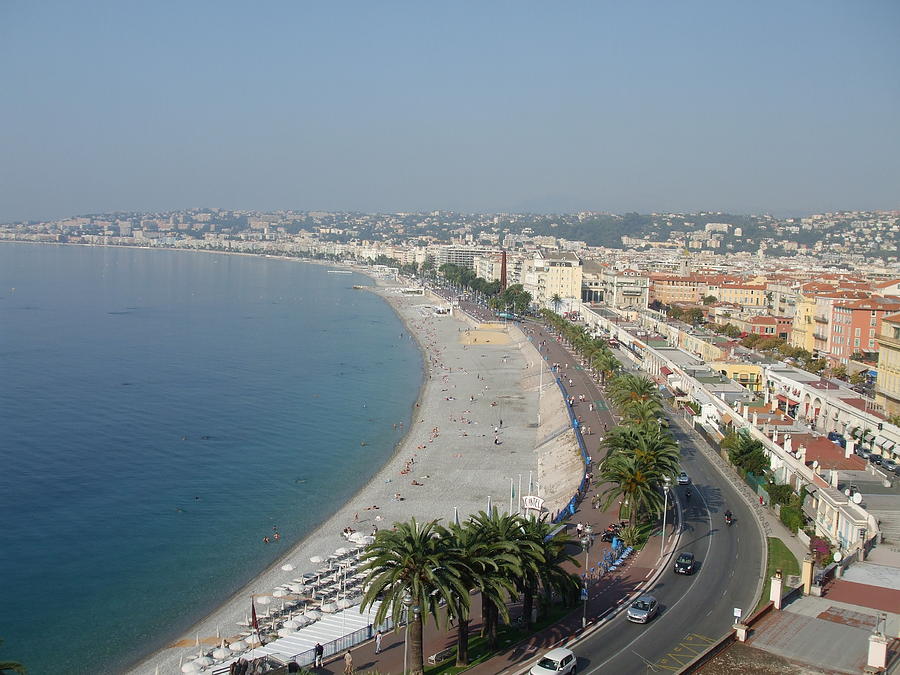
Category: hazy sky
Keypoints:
(785, 107)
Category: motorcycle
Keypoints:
(729, 519)
(687, 494)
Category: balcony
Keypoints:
(820, 319)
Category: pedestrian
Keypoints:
(319, 652)
(378, 642)
(348, 663)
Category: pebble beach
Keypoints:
(474, 439)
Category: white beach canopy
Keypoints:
(190, 667)
(343, 603)
(342, 551)
(203, 661)
(329, 608)
(316, 559)
(238, 646)
(287, 567)
(279, 593)
(263, 600)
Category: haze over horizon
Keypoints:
(388, 107)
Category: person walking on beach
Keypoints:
(319, 652)
(348, 663)
(378, 642)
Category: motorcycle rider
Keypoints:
(729, 517)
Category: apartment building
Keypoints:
(617, 288)
(855, 326)
(551, 274)
(887, 388)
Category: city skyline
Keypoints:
(399, 107)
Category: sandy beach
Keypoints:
(481, 383)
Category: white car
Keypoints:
(559, 660)
(683, 478)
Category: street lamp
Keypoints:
(586, 540)
(407, 602)
(662, 544)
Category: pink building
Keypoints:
(855, 325)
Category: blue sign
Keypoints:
(584, 594)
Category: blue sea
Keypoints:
(161, 412)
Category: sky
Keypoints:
(745, 107)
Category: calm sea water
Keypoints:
(160, 412)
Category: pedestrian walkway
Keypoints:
(604, 594)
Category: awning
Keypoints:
(781, 398)
(665, 371)
(666, 392)
(868, 437)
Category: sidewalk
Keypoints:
(604, 595)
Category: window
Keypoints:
(857, 332)
(856, 342)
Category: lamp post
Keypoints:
(586, 541)
(662, 544)
(407, 602)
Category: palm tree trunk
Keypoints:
(528, 604)
(462, 643)
(491, 628)
(416, 658)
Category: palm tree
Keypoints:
(549, 573)
(14, 666)
(629, 387)
(643, 411)
(635, 483)
(556, 301)
(520, 555)
(483, 560)
(412, 564)
(606, 364)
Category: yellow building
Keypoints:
(745, 295)
(887, 388)
(803, 331)
(747, 374)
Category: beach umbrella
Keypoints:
(342, 551)
(238, 646)
(203, 661)
(252, 639)
(221, 653)
(293, 624)
(343, 603)
(287, 567)
(190, 667)
(302, 621)
(285, 632)
(316, 559)
(312, 614)
(279, 593)
(296, 588)
(329, 608)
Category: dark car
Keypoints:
(875, 459)
(684, 564)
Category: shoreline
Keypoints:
(461, 466)
(467, 487)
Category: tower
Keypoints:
(502, 271)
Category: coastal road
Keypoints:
(694, 610)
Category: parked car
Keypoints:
(875, 459)
(890, 465)
(554, 662)
(643, 609)
(684, 564)
(683, 478)
(862, 452)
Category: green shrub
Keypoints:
(792, 517)
(780, 494)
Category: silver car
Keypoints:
(643, 609)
